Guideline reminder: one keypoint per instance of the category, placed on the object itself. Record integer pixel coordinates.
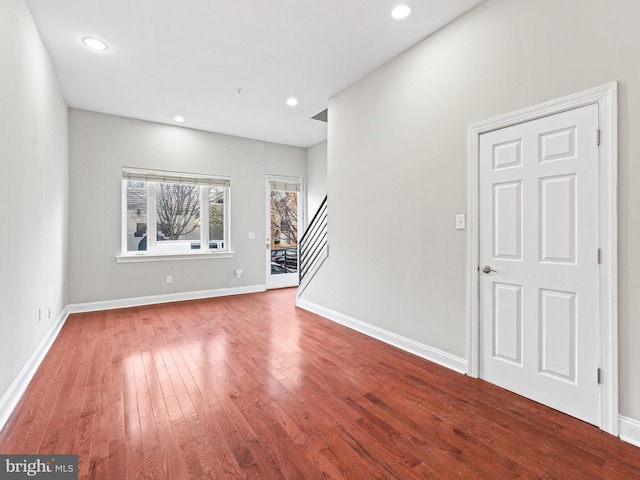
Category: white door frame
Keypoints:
(606, 97)
(281, 281)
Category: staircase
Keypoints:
(313, 247)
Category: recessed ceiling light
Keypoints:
(178, 119)
(94, 43)
(400, 12)
(292, 102)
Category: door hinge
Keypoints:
(598, 137)
(599, 256)
(599, 376)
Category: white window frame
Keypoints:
(152, 178)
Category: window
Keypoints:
(168, 213)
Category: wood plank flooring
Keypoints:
(252, 387)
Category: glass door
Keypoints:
(284, 226)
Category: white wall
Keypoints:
(33, 190)
(100, 145)
(397, 162)
(316, 177)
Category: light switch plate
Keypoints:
(461, 221)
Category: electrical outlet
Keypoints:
(169, 279)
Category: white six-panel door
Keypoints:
(538, 231)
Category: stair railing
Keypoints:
(314, 241)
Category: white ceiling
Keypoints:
(190, 57)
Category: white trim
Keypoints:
(428, 353)
(151, 179)
(156, 299)
(165, 257)
(286, 279)
(606, 99)
(123, 212)
(629, 430)
(227, 233)
(12, 396)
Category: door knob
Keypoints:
(488, 269)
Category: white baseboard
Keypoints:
(428, 353)
(12, 396)
(156, 299)
(10, 399)
(629, 430)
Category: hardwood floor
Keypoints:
(251, 387)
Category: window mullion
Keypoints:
(204, 218)
(125, 192)
(152, 217)
(227, 219)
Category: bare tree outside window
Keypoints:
(178, 210)
(185, 215)
(284, 218)
(284, 205)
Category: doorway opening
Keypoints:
(285, 221)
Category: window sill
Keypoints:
(166, 257)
